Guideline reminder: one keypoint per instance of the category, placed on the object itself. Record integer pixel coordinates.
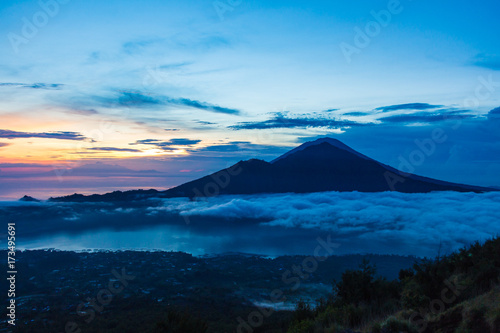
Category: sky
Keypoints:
(104, 95)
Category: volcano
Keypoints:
(317, 166)
(322, 165)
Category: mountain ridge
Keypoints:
(323, 165)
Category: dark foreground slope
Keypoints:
(455, 293)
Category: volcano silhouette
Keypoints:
(317, 166)
(322, 165)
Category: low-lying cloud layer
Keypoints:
(380, 223)
(418, 220)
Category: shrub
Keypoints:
(394, 325)
(305, 326)
(176, 322)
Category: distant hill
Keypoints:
(322, 165)
(27, 198)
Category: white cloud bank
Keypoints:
(417, 220)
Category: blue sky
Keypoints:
(88, 81)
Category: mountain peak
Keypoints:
(322, 165)
(333, 142)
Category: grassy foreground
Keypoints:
(455, 293)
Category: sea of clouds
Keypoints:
(451, 219)
(383, 223)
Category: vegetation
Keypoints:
(456, 293)
(176, 292)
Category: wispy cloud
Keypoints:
(357, 114)
(241, 146)
(408, 106)
(113, 149)
(280, 120)
(487, 61)
(46, 86)
(167, 145)
(423, 117)
(83, 112)
(8, 134)
(4, 144)
(138, 46)
(141, 100)
(203, 106)
(205, 122)
(494, 114)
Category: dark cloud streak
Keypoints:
(422, 117)
(408, 106)
(8, 134)
(282, 121)
(141, 100)
(167, 145)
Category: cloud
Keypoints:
(241, 146)
(494, 114)
(138, 46)
(423, 117)
(385, 223)
(182, 142)
(221, 148)
(204, 106)
(23, 165)
(408, 106)
(141, 100)
(4, 144)
(115, 149)
(176, 65)
(357, 114)
(83, 112)
(8, 134)
(46, 86)
(412, 220)
(487, 61)
(281, 120)
(134, 99)
(167, 145)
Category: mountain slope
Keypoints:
(322, 165)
